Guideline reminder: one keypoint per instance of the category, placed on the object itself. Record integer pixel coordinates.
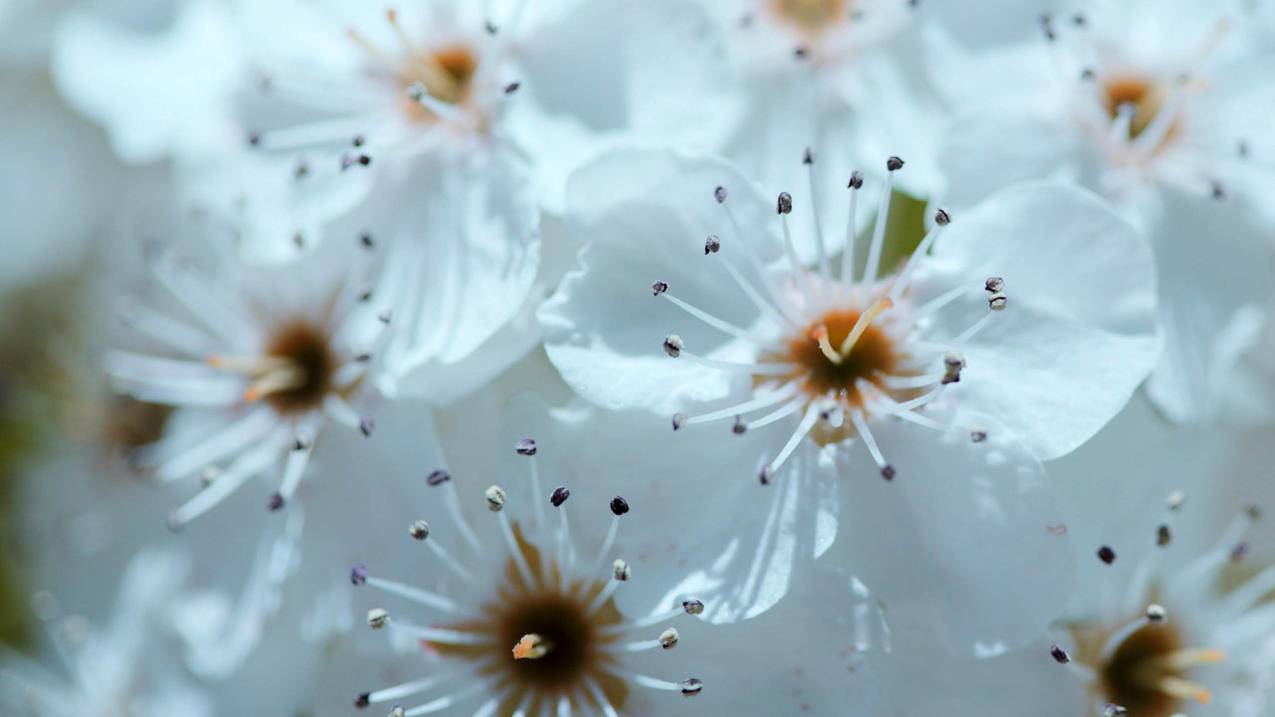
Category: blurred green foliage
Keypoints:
(38, 353)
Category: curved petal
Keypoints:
(1214, 287)
(985, 150)
(461, 264)
(1080, 330)
(959, 545)
(156, 95)
(602, 72)
(646, 216)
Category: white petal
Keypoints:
(1214, 287)
(155, 94)
(958, 545)
(646, 216)
(1080, 330)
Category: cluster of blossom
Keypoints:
(898, 353)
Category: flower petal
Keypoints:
(959, 544)
(1079, 333)
(646, 215)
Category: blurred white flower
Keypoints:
(1171, 636)
(854, 79)
(1011, 318)
(159, 92)
(256, 362)
(1159, 109)
(526, 620)
(120, 670)
(1126, 98)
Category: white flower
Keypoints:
(1125, 97)
(477, 88)
(1168, 637)
(256, 362)
(520, 615)
(119, 671)
(1158, 109)
(1013, 318)
(1138, 542)
(853, 79)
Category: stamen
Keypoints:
(398, 691)
(294, 469)
(803, 429)
(847, 255)
(861, 325)
(566, 550)
(969, 333)
(245, 431)
(438, 635)
(689, 687)
(907, 382)
(506, 529)
(443, 703)
(756, 369)
(527, 447)
(825, 267)
(763, 401)
(340, 411)
(416, 595)
(873, 267)
(941, 220)
(241, 470)
(749, 254)
(861, 425)
(603, 595)
(777, 314)
(801, 279)
(607, 543)
(711, 320)
(780, 413)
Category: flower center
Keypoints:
(1146, 672)
(811, 16)
(1144, 97)
(550, 637)
(829, 367)
(300, 375)
(445, 72)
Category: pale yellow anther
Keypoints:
(820, 335)
(530, 647)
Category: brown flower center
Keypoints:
(1148, 673)
(305, 370)
(811, 16)
(872, 355)
(571, 643)
(1144, 96)
(446, 72)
